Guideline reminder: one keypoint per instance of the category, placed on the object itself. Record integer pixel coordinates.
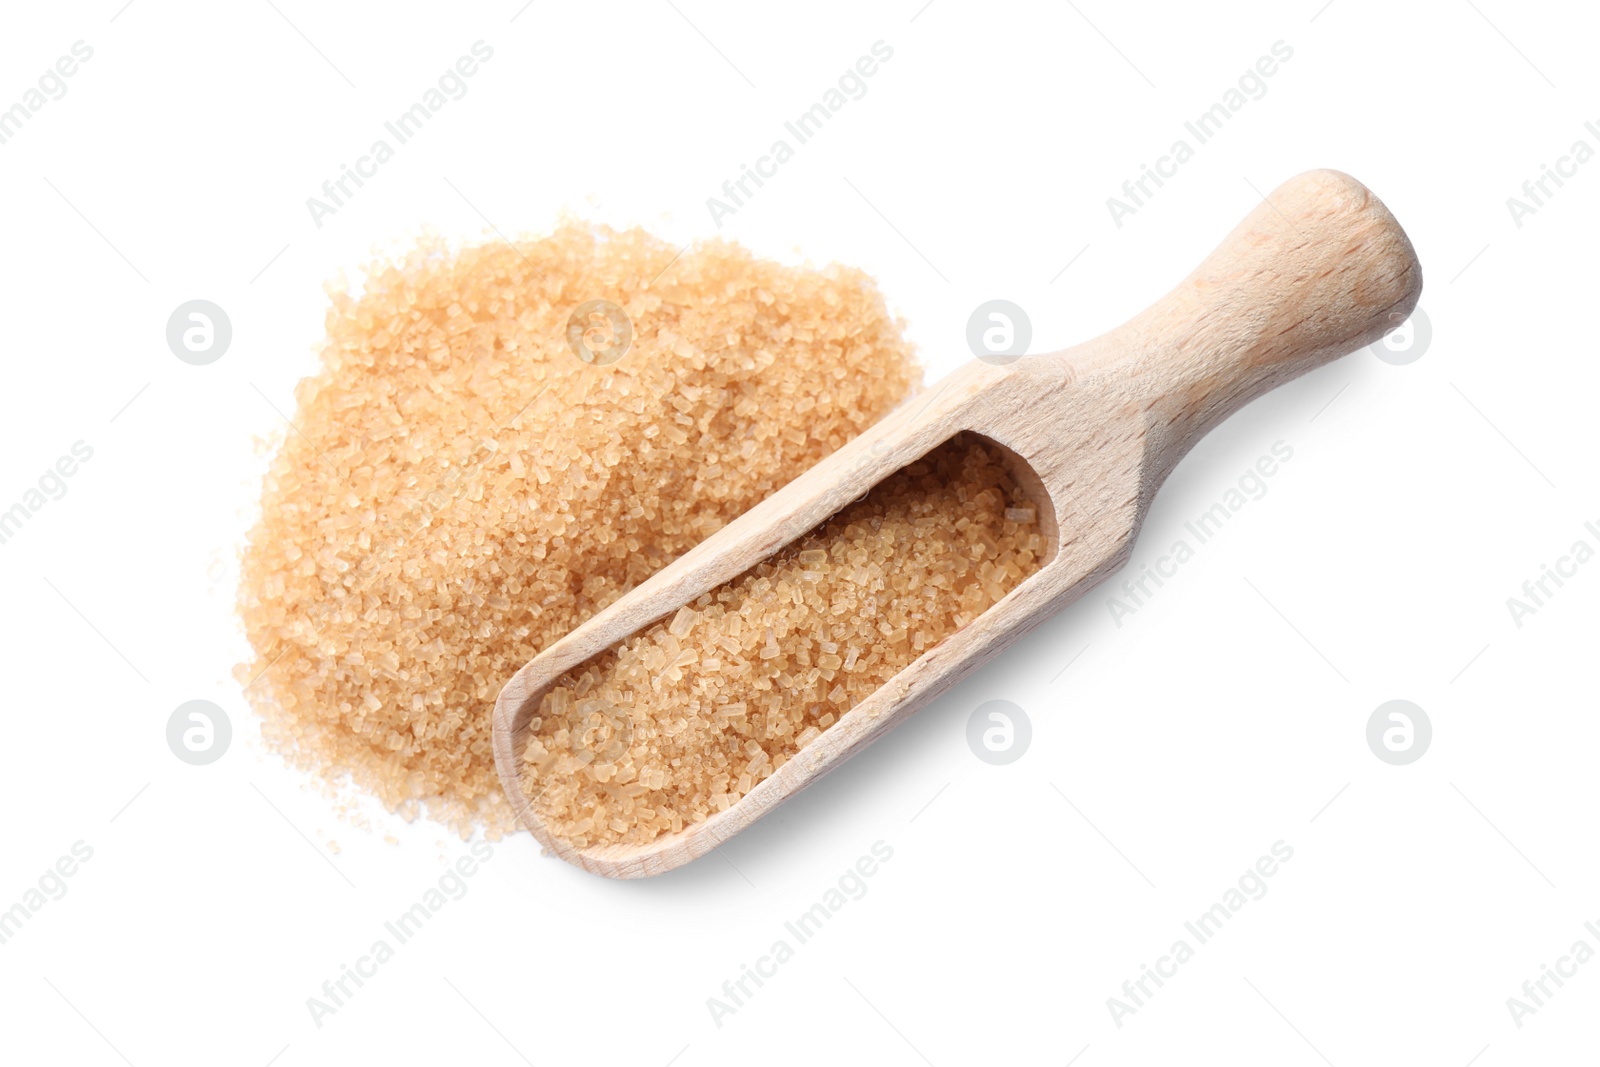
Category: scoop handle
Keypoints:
(1318, 269)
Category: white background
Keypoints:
(1175, 749)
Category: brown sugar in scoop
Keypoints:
(687, 716)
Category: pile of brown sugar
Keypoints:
(685, 717)
(461, 489)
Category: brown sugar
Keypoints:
(688, 715)
(461, 489)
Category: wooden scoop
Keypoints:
(1321, 268)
